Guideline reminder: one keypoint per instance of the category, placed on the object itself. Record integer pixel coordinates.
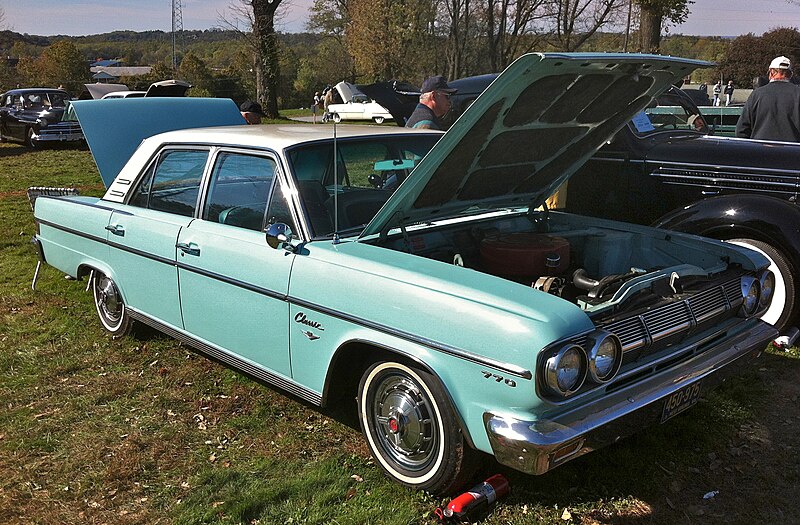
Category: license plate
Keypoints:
(681, 400)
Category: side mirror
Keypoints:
(279, 236)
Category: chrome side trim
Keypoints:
(231, 360)
(80, 203)
(434, 345)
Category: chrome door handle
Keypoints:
(188, 248)
(709, 193)
(116, 229)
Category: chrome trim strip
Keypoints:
(231, 360)
(70, 230)
(81, 203)
(434, 345)
(737, 169)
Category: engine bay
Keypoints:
(592, 263)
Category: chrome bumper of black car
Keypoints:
(57, 135)
(536, 447)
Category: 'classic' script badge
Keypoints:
(304, 320)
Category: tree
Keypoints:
(652, 15)
(577, 20)
(259, 18)
(60, 64)
(392, 39)
(748, 56)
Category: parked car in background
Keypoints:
(356, 106)
(33, 116)
(162, 88)
(462, 317)
(124, 94)
(665, 168)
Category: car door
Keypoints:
(233, 286)
(143, 234)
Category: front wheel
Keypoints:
(412, 430)
(337, 118)
(378, 120)
(109, 305)
(782, 310)
(29, 140)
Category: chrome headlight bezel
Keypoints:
(766, 280)
(751, 296)
(553, 365)
(596, 343)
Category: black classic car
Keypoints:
(33, 116)
(667, 168)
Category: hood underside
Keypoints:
(533, 127)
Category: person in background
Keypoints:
(251, 111)
(717, 93)
(315, 105)
(729, 93)
(327, 100)
(434, 103)
(772, 112)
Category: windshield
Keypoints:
(344, 196)
(668, 112)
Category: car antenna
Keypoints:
(335, 189)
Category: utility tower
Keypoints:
(177, 29)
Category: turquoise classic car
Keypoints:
(420, 273)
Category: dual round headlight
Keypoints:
(767, 281)
(566, 371)
(751, 295)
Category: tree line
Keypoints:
(222, 63)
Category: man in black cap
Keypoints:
(251, 111)
(772, 112)
(434, 103)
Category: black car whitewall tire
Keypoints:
(784, 302)
(110, 306)
(411, 428)
(337, 118)
(29, 133)
(378, 120)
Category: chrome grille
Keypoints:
(676, 317)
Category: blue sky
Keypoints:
(83, 17)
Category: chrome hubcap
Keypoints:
(405, 425)
(108, 299)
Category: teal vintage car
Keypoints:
(419, 273)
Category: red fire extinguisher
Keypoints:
(473, 504)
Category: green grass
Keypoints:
(142, 430)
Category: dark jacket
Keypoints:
(772, 113)
(423, 117)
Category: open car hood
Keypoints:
(114, 128)
(534, 126)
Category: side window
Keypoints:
(172, 184)
(239, 190)
(279, 208)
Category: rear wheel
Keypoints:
(412, 430)
(337, 118)
(782, 311)
(378, 120)
(109, 305)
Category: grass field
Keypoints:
(140, 430)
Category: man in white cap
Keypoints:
(773, 111)
(434, 103)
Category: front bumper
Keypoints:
(54, 134)
(535, 447)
